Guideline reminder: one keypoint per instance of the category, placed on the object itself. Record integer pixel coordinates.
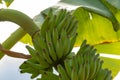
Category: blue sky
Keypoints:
(9, 69)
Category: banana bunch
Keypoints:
(86, 65)
(105, 73)
(31, 66)
(49, 76)
(52, 44)
(56, 38)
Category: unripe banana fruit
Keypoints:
(52, 44)
(85, 65)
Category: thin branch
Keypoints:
(14, 54)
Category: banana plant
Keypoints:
(96, 25)
(54, 33)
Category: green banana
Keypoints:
(55, 37)
(56, 42)
(87, 70)
(69, 22)
(47, 57)
(93, 51)
(102, 74)
(73, 27)
(28, 70)
(60, 78)
(85, 60)
(93, 67)
(68, 67)
(70, 55)
(59, 51)
(42, 61)
(59, 43)
(85, 49)
(50, 13)
(31, 70)
(108, 77)
(23, 66)
(61, 25)
(36, 66)
(63, 35)
(60, 16)
(31, 51)
(52, 22)
(99, 65)
(73, 30)
(74, 74)
(66, 46)
(82, 50)
(72, 42)
(40, 42)
(75, 63)
(41, 46)
(34, 75)
(51, 49)
(65, 43)
(80, 60)
(45, 26)
(62, 72)
(81, 73)
(37, 46)
(83, 43)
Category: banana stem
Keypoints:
(12, 40)
(25, 22)
(19, 18)
(14, 54)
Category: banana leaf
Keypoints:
(115, 3)
(7, 2)
(96, 6)
(0, 1)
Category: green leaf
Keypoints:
(111, 48)
(0, 1)
(96, 6)
(39, 19)
(115, 3)
(112, 64)
(8, 2)
(27, 39)
(98, 31)
(94, 28)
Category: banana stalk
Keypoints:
(25, 22)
